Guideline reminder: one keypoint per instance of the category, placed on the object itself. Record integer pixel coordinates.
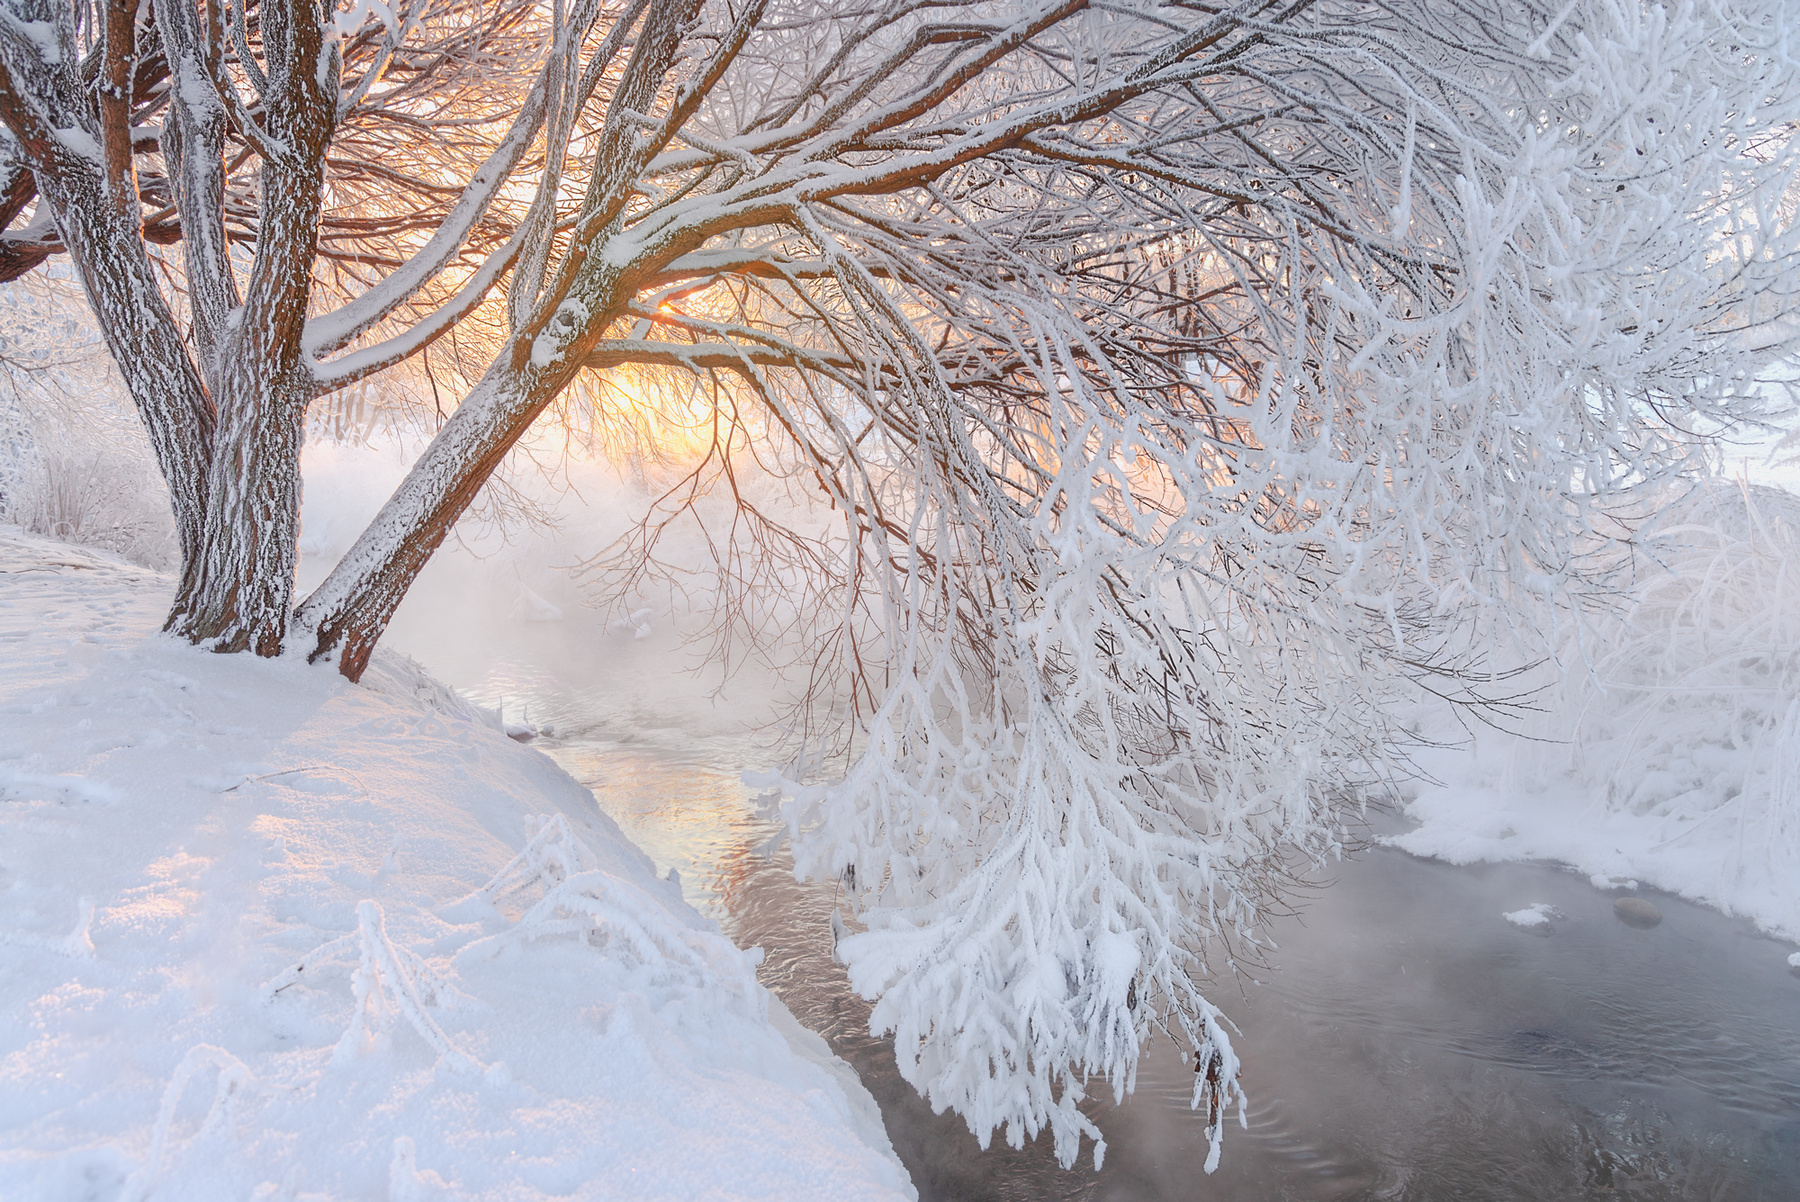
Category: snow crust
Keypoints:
(267, 934)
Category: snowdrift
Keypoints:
(1668, 753)
(265, 934)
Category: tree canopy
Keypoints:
(1173, 371)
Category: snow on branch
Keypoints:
(387, 981)
(331, 331)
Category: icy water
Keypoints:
(1408, 1044)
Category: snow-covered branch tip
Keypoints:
(386, 981)
(233, 1081)
(383, 987)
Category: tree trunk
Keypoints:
(250, 351)
(141, 334)
(348, 613)
(245, 577)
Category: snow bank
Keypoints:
(1675, 760)
(264, 934)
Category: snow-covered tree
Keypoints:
(1170, 368)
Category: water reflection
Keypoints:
(1412, 1045)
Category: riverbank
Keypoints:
(1514, 800)
(264, 934)
(1663, 749)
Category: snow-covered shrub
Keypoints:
(105, 497)
(75, 464)
(1688, 710)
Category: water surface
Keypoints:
(1407, 1044)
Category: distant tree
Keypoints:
(299, 156)
(1170, 366)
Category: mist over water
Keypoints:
(1406, 1044)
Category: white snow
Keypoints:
(1537, 914)
(563, 325)
(1794, 960)
(41, 34)
(267, 934)
(1673, 762)
(636, 623)
(1504, 803)
(80, 141)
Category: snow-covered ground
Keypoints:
(264, 934)
(1516, 799)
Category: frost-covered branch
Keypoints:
(1171, 377)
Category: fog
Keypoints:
(1403, 1041)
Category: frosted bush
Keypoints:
(103, 497)
(75, 464)
(1690, 712)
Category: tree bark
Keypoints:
(348, 613)
(141, 333)
(252, 351)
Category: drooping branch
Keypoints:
(1161, 368)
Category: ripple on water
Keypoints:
(1407, 1046)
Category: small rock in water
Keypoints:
(1637, 912)
(1534, 918)
(532, 608)
(1794, 964)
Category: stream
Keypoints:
(1407, 1043)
